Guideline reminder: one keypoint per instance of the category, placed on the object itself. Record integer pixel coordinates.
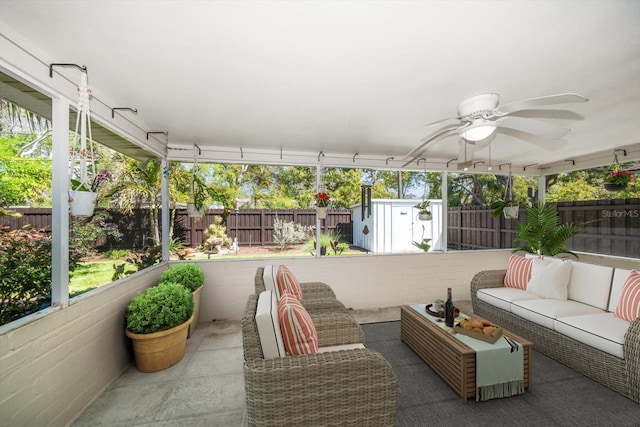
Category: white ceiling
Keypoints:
(347, 77)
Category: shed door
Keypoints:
(402, 229)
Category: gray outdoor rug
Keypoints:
(560, 395)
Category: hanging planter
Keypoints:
(193, 212)
(511, 212)
(195, 209)
(425, 216)
(506, 206)
(321, 212)
(82, 203)
(609, 186)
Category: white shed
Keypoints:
(393, 226)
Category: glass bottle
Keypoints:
(449, 314)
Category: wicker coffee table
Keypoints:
(454, 361)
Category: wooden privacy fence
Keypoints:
(617, 231)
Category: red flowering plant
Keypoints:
(620, 177)
(322, 200)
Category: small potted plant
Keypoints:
(618, 180)
(191, 276)
(424, 214)
(82, 197)
(322, 203)
(157, 323)
(510, 208)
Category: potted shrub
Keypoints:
(424, 214)
(190, 276)
(157, 322)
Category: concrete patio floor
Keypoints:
(206, 388)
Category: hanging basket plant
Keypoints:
(424, 213)
(618, 180)
(506, 206)
(195, 208)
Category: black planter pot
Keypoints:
(614, 187)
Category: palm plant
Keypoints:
(542, 232)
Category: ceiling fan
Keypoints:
(479, 117)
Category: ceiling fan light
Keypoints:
(478, 131)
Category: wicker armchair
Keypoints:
(620, 375)
(347, 387)
(314, 299)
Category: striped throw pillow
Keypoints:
(629, 303)
(287, 282)
(518, 272)
(298, 331)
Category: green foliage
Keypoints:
(25, 272)
(216, 231)
(116, 253)
(24, 181)
(159, 308)
(424, 245)
(287, 233)
(148, 256)
(328, 239)
(84, 233)
(498, 206)
(189, 275)
(543, 234)
(423, 207)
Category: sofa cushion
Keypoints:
(629, 303)
(549, 279)
(269, 279)
(620, 276)
(590, 284)
(545, 311)
(503, 297)
(603, 331)
(518, 272)
(268, 326)
(286, 282)
(298, 331)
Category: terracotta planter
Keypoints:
(614, 187)
(511, 212)
(82, 202)
(196, 311)
(322, 212)
(159, 350)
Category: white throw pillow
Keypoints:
(549, 279)
(269, 326)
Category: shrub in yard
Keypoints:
(189, 275)
(25, 272)
(287, 233)
(216, 231)
(159, 308)
(85, 232)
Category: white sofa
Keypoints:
(580, 332)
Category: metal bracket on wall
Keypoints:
(82, 68)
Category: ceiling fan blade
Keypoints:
(534, 127)
(437, 122)
(428, 140)
(563, 98)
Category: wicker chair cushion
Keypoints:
(269, 279)
(268, 326)
(550, 279)
(298, 331)
(629, 304)
(287, 282)
(518, 272)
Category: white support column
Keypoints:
(165, 210)
(542, 188)
(445, 210)
(60, 212)
(319, 172)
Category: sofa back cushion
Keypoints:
(549, 279)
(629, 303)
(268, 326)
(590, 284)
(518, 272)
(298, 331)
(620, 276)
(269, 279)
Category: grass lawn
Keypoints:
(90, 275)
